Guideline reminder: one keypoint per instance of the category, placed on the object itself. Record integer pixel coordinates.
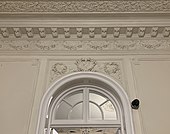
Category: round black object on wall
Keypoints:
(135, 104)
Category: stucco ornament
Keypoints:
(58, 69)
(40, 45)
(85, 64)
(46, 45)
(85, 6)
(112, 68)
(98, 45)
(126, 45)
(154, 44)
(1, 44)
(73, 45)
(17, 45)
(61, 68)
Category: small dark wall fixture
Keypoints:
(135, 104)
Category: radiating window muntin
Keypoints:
(103, 104)
(70, 107)
(86, 104)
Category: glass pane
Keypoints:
(76, 112)
(109, 111)
(74, 98)
(62, 111)
(70, 107)
(96, 98)
(94, 112)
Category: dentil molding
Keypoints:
(84, 31)
(83, 6)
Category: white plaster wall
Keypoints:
(24, 79)
(18, 80)
(152, 87)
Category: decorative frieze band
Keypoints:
(84, 6)
(61, 68)
(85, 45)
(86, 32)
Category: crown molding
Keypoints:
(88, 26)
(83, 22)
(85, 40)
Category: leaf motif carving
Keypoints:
(84, 64)
(98, 45)
(113, 69)
(73, 45)
(58, 69)
(153, 44)
(46, 45)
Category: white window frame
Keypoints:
(118, 95)
(86, 122)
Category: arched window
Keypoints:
(85, 103)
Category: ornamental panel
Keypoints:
(59, 68)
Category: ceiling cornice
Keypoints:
(71, 26)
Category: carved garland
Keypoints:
(92, 6)
(110, 68)
(112, 45)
